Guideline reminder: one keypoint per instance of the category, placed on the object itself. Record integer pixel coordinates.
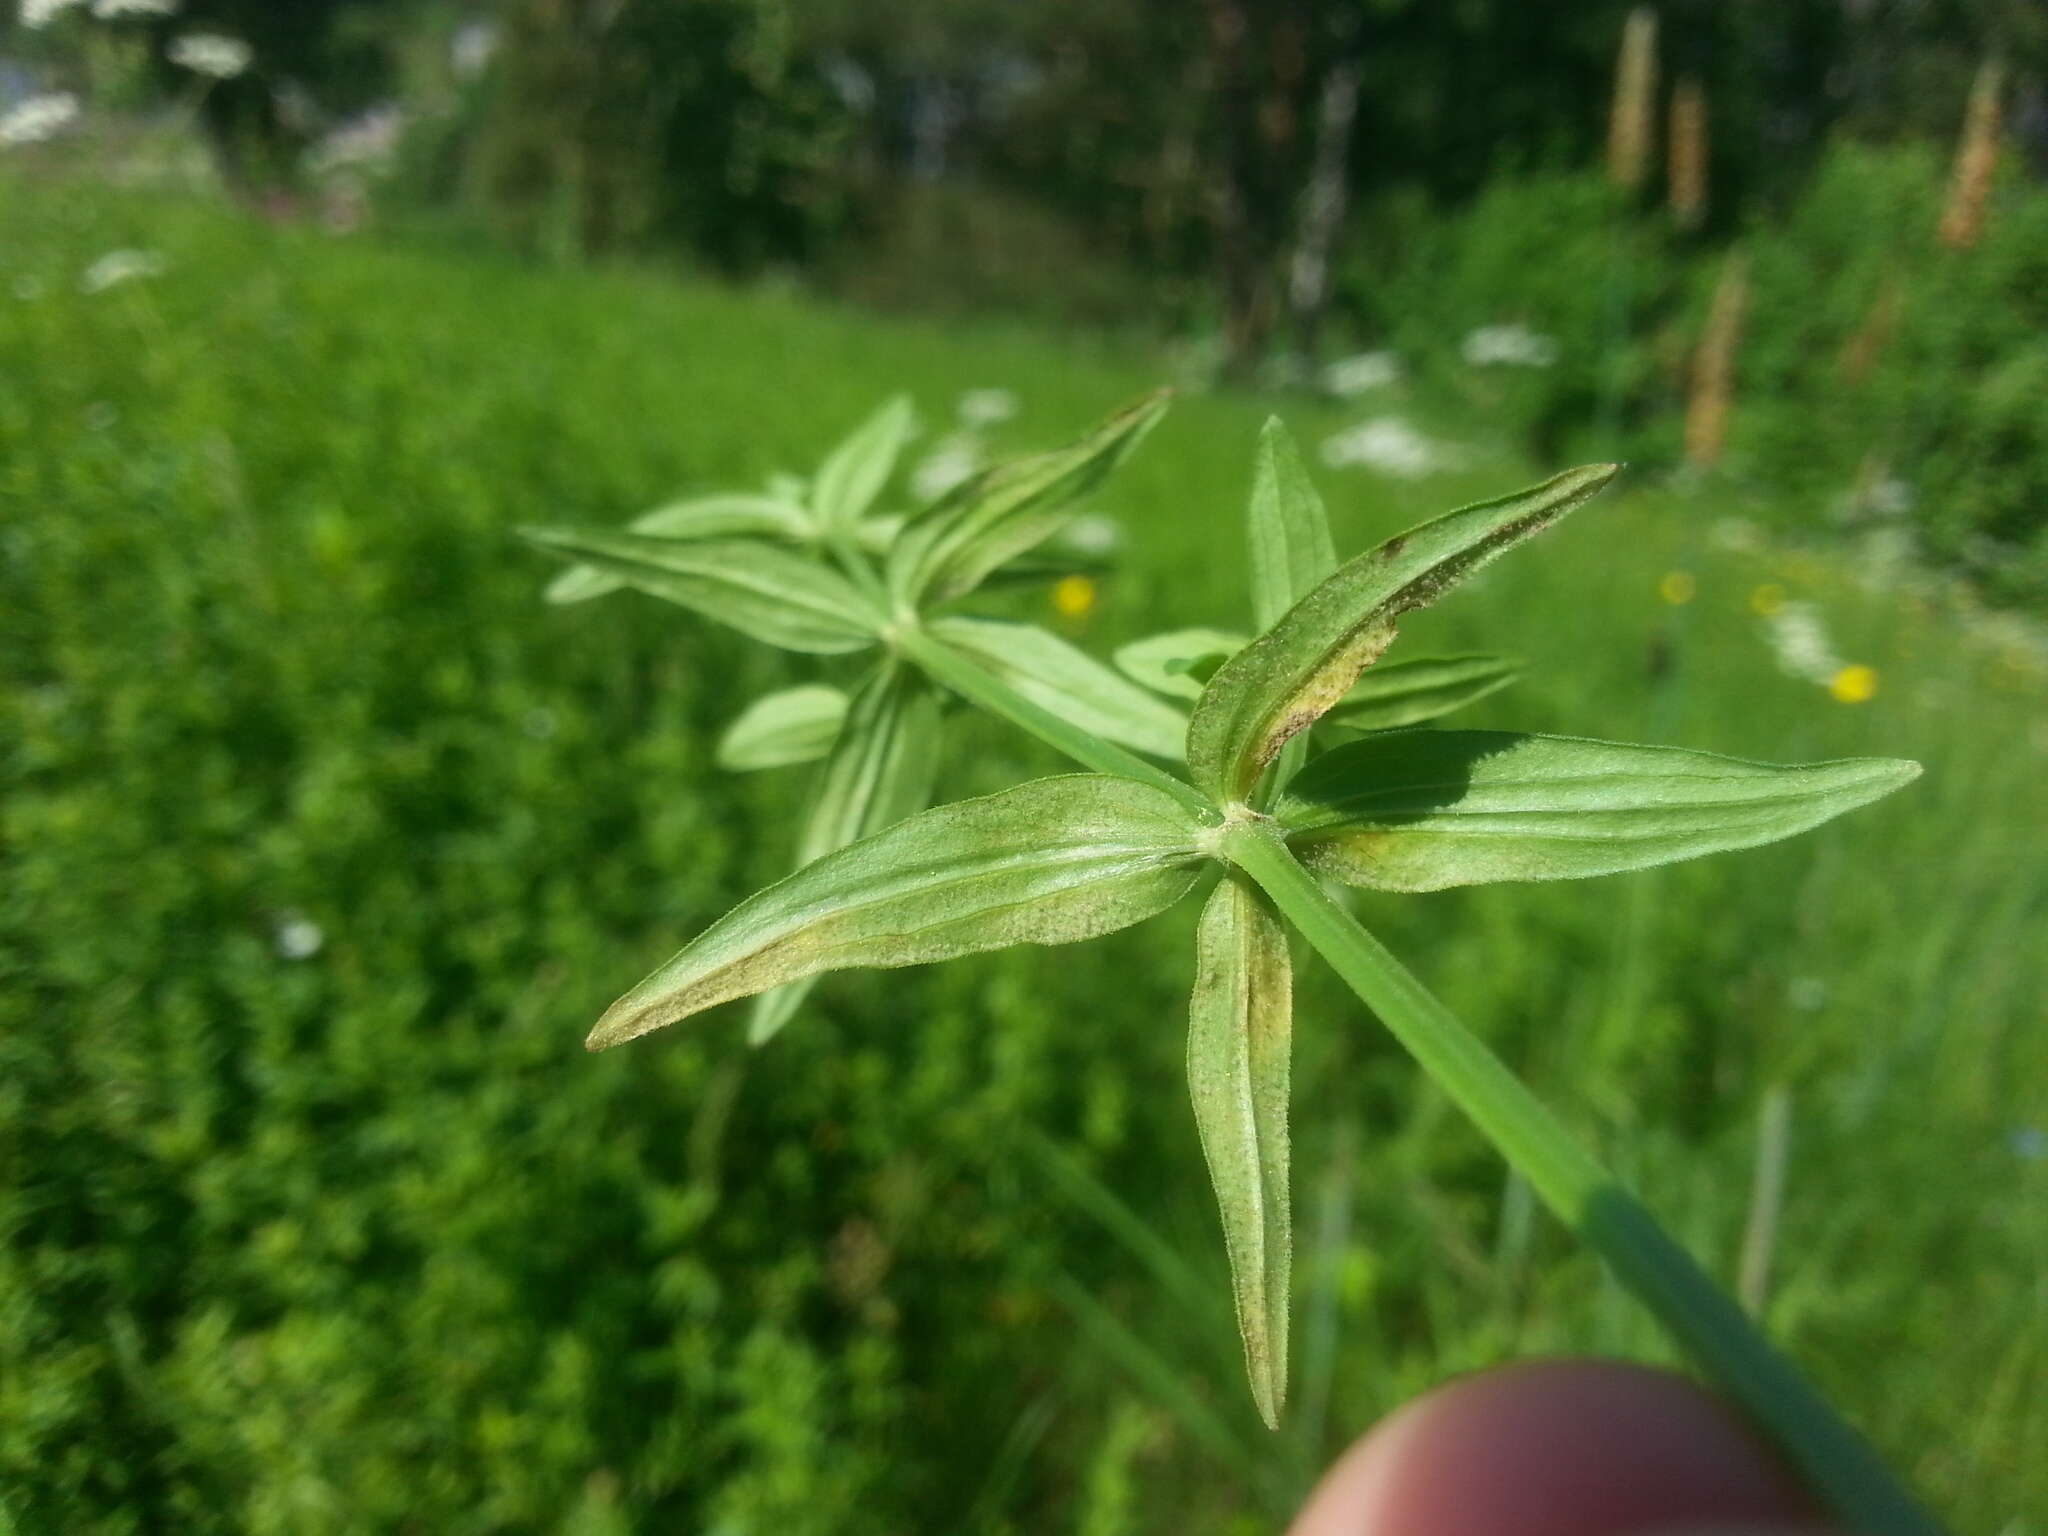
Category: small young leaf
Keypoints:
(793, 725)
(705, 517)
(1240, 1032)
(1053, 861)
(1179, 662)
(1400, 693)
(1423, 810)
(759, 589)
(947, 549)
(854, 473)
(1287, 531)
(1288, 678)
(881, 770)
(1070, 682)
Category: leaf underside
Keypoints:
(1287, 531)
(760, 589)
(1240, 1027)
(1424, 810)
(947, 549)
(703, 517)
(854, 473)
(1402, 693)
(1053, 861)
(1288, 678)
(1178, 662)
(1068, 681)
(1289, 551)
(791, 725)
(881, 770)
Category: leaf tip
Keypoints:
(1898, 771)
(619, 1024)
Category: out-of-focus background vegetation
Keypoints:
(323, 840)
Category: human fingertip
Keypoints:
(1557, 1448)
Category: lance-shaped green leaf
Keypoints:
(1422, 810)
(1287, 531)
(1399, 693)
(1067, 681)
(1240, 1033)
(1053, 861)
(792, 725)
(998, 514)
(1288, 678)
(854, 473)
(1288, 545)
(704, 517)
(883, 765)
(759, 589)
(881, 770)
(1180, 661)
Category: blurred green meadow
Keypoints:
(324, 841)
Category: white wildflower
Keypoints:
(2029, 1142)
(117, 267)
(112, 10)
(538, 723)
(28, 288)
(1891, 498)
(1514, 346)
(367, 142)
(1391, 446)
(1800, 641)
(1093, 534)
(952, 459)
(1285, 371)
(1886, 552)
(211, 54)
(853, 85)
(1807, 993)
(38, 118)
(298, 937)
(987, 407)
(1738, 535)
(40, 13)
(1354, 375)
(471, 49)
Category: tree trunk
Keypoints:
(1324, 200)
(1239, 270)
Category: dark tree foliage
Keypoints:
(621, 123)
(315, 60)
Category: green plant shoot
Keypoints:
(1261, 818)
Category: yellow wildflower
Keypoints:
(1677, 588)
(1767, 599)
(1854, 685)
(1073, 597)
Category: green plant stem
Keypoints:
(969, 679)
(1836, 1461)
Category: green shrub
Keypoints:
(1876, 354)
(1556, 252)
